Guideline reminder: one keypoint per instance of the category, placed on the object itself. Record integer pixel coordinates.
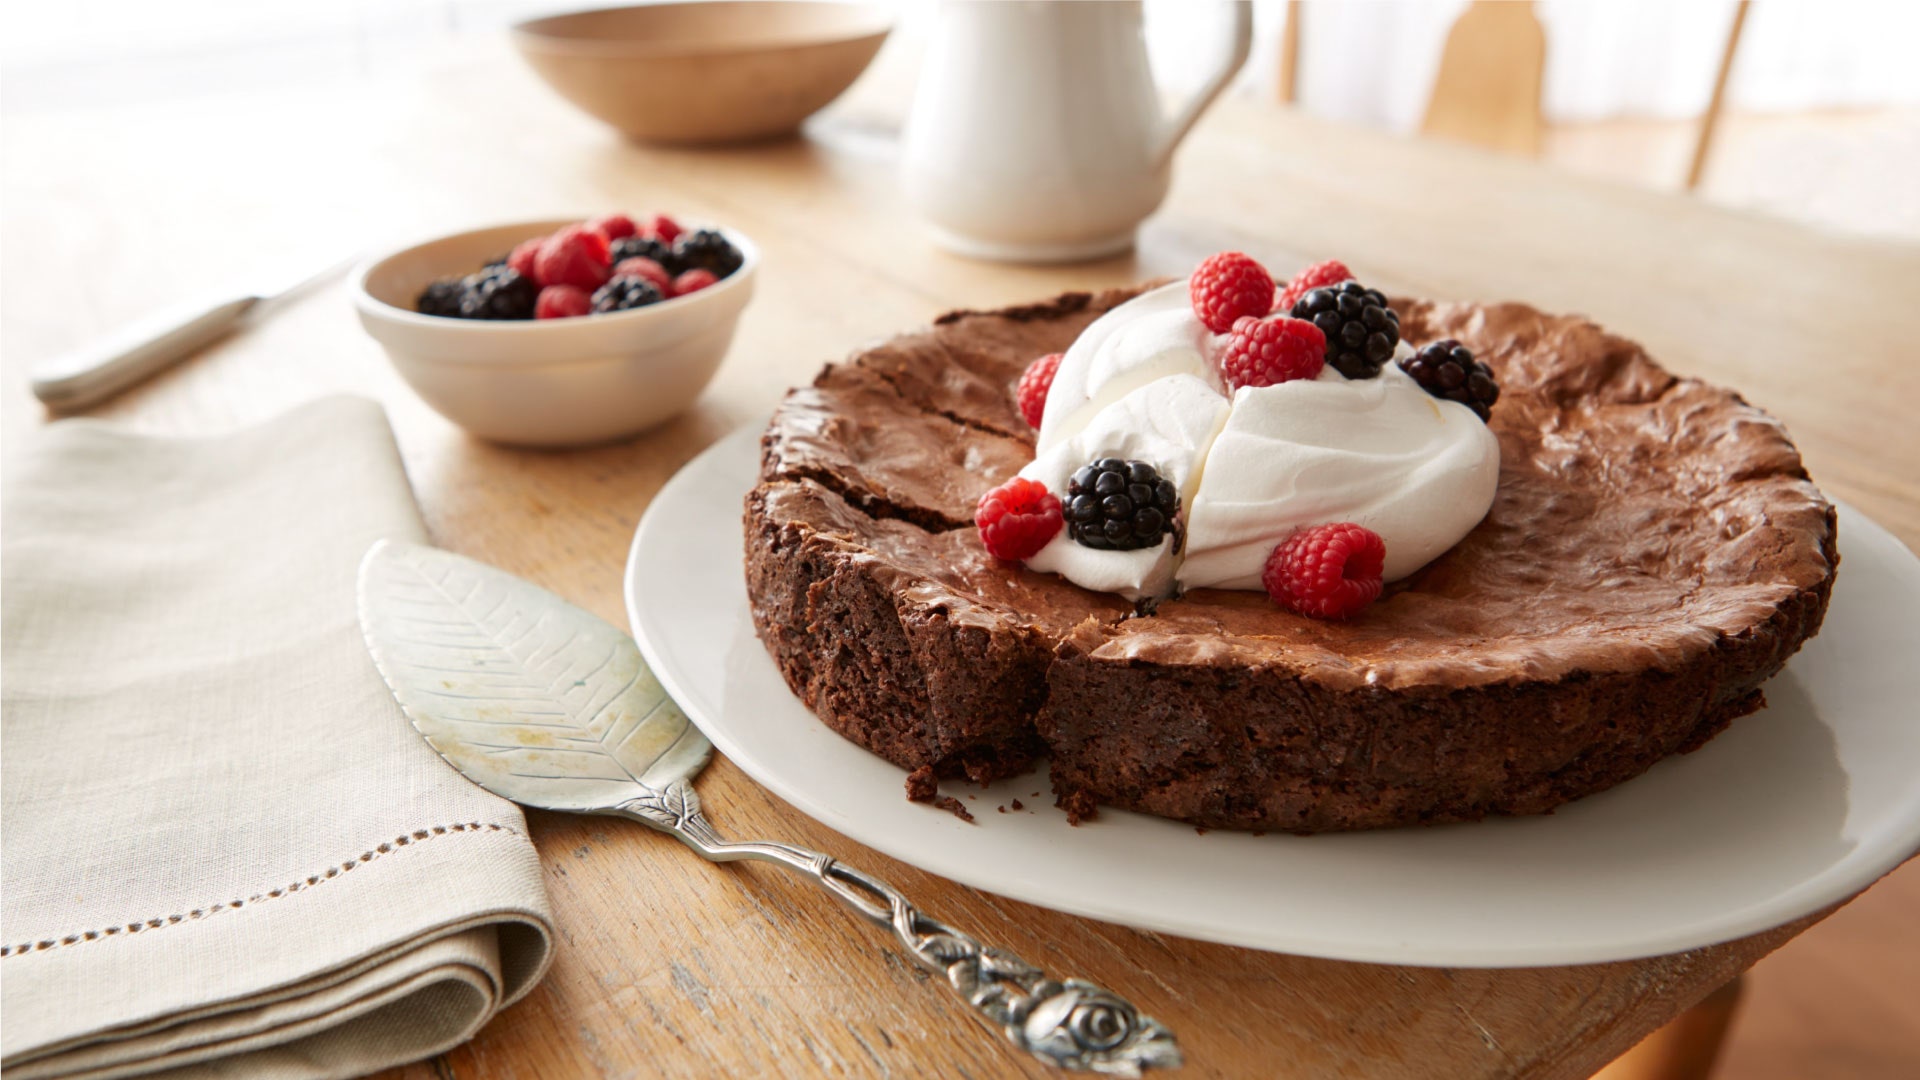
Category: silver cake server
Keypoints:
(541, 702)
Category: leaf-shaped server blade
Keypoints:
(531, 697)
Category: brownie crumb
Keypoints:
(922, 785)
(1079, 805)
(1199, 830)
(953, 806)
(1017, 805)
(1001, 808)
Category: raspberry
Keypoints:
(692, 281)
(1263, 352)
(522, 258)
(1326, 571)
(614, 227)
(576, 255)
(1331, 272)
(562, 302)
(1227, 286)
(1017, 519)
(641, 266)
(663, 228)
(1033, 387)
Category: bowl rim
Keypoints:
(526, 35)
(371, 305)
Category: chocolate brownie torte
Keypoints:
(1653, 553)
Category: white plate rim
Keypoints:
(1859, 868)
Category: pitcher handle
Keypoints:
(1216, 82)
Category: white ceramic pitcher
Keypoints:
(1036, 134)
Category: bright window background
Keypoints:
(1823, 120)
(1363, 61)
(1374, 62)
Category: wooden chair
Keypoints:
(1492, 67)
(1711, 118)
(1488, 89)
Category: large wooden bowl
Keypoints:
(705, 72)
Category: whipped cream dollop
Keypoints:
(1169, 423)
(1142, 383)
(1151, 337)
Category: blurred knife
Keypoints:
(97, 371)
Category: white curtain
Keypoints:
(1373, 62)
(1363, 61)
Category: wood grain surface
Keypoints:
(669, 966)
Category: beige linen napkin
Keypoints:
(225, 850)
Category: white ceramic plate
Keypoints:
(1789, 810)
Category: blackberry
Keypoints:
(625, 293)
(498, 292)
(644, 247)
(1447, 370)
(1115, 505)
(706, 249)
(442, 298)
(1361, 329)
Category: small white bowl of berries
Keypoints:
(560, 333)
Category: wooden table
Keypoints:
(669, 965)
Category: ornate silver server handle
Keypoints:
(1071, 1024)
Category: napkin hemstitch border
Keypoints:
(306, 884)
